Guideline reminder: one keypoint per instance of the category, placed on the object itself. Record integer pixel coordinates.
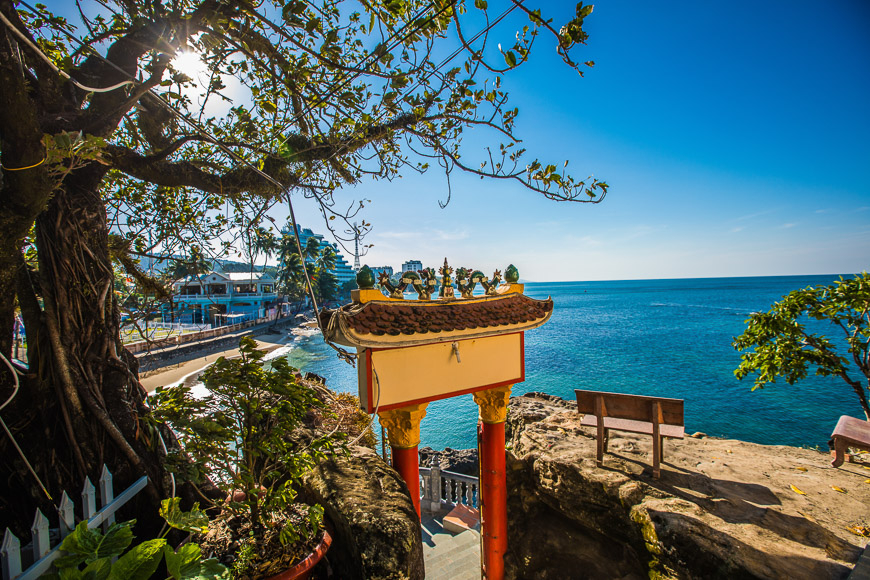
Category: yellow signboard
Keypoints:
(394, 377)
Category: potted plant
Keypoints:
(247, 435)
(88, 554)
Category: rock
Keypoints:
(377, 532)
(721, 509)
(698, 435)
(463, 461)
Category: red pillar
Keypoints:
(493, 489)
(403, 431)
(407, 463)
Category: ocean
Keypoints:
(666, 338)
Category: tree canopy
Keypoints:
(783, 346)
(113, 149)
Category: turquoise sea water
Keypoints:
(669, 338)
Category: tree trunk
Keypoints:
(82, 404)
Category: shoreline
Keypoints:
(175, 373)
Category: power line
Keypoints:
(205, 134)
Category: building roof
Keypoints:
(228, 276)
(409, 322)
(248, 276)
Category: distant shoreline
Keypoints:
(175, 373)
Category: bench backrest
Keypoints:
(634, 407)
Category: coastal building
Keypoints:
(342, 271)
(221, 298)
(378, 269)
(412, 266)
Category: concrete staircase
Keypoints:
(449, 556)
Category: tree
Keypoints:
(326, 285)
(784, 347)
(112, 150)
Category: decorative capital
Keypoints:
(493, 404)
(511, 274)
(403, 425)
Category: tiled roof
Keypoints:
(434, 320)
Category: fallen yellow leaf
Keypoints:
(801, 468)
(859, 530)
(796, 490)
(866, 466)
(840, 489)
(728, 451)
(867, 481)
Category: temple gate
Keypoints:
(412, 352)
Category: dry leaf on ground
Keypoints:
(796, 490)
(859, 530)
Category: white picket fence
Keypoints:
(40, 555)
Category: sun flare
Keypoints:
(191, 64)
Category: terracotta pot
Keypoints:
(303, 570)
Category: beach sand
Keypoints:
(175, 373)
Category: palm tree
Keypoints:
(326, 286)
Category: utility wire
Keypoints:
(203, 133)
(54, 67)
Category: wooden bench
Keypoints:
(849, 432)
(654, 416)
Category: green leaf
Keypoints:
(98, 569)
(480, 4)
(510, 58)
(140, 562)
(85, 546)
(211, 569)
(194, 521)
(187, 564)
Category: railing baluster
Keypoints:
(10, 554)
(66, 509)
(107, 494)
(39, 538)
(89, 500)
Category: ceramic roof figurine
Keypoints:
(375, 320)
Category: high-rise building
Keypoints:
(342, 271)
(378, 269)
(412, 266)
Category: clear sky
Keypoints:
(735, 139)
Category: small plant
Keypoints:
(247, 436)
(91, 554)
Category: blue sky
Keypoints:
(734, 139)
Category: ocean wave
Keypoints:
(700, 306)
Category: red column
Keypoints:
(403, 431)
(407, 463)
(493, 489)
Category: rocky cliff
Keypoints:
(721, 509)
(376, 530)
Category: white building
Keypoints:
(412, 266)
(342, 271)
(224, 297)
(378, 269)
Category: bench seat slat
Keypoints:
(672, 431)
(854, 431)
